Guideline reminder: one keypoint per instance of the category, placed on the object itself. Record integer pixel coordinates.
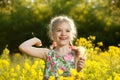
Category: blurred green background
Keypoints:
(20, 18)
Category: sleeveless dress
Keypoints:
(56, 62)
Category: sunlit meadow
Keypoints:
(100, 65)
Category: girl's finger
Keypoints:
(81, 58)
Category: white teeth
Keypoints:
(63, 38)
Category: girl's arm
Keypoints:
(28, 48)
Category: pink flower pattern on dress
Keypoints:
(68, 57)
(62, 68)
(49, 58)
(52, 63)
(55, 62)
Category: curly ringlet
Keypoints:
(59, 19)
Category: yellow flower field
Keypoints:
(100, 65)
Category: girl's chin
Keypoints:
(63, 42)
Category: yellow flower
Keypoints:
(73, 72)
(27, 66)
(18, 67)
(6, 51)
(33, 72)
(4, 63)
(24, 71)
(60, 71)
(12, 70)
(13, 79)
(100, 43)
(42, 63)
(110, 78)
(17, 55)
(92, 37)
(51, 78)
(117, 76)
(61, 78)
(40, 72)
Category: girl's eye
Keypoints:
(58, 30)
(67, 30)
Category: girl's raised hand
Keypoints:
(80, 53)
(38, 42)
(80, 63)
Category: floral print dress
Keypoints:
(56, 63)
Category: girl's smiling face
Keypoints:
(61, 33)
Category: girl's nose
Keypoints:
(63, 33)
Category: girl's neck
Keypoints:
(62, 50)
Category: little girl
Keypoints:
(63, 56)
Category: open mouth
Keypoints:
(63, 38)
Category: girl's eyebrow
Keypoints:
(58, 28)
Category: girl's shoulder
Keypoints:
(50, 52)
